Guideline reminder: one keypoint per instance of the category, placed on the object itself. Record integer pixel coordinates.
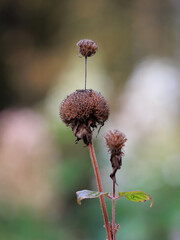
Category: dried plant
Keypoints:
(115, 141)
(87, 48)
(83, 110)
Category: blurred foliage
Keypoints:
(25, 224)
(36, 35)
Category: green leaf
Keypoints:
(136, 196)
(83, 194)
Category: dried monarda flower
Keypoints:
(115, 141)
(87, 47)
(83, 110)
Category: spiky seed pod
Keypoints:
(115, 141)
(83, 110)
(87, 48)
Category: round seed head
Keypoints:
(82, 105)
(87, 48)
(115, 141)
(83, 110)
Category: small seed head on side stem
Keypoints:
(115, 141)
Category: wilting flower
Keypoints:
(115, 141)
(83, 110)
(87, 48)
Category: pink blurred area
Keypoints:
(26, 158)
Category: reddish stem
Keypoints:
(113, 210)
(99, 185)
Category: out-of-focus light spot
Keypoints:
(150, 103)
(149, 116)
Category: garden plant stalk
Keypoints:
(99, 185)
(113, 210)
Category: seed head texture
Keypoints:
(82, 105)
(115, 141)
(87, 48)
(83, 110)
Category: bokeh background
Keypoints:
(136, 69)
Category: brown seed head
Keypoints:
(83, 110)
(115, 141)
(82, 105)
(87, 48)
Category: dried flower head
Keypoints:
(83, 110)
(115, 141)
(87, 48)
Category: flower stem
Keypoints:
(99, 185)
(85, 71)
(113, 210)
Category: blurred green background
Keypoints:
(136, 69)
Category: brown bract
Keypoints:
(83, 110)
(87, 48)
(115, 141)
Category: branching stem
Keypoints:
(99, 185)
(113, 210)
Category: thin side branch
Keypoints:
(113, 209)
(99, 185)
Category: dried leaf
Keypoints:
(84, 194)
